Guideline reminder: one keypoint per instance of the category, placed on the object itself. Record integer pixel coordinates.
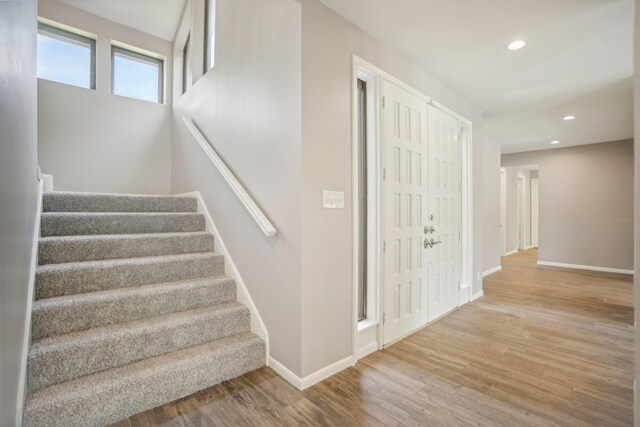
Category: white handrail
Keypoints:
(263, 222)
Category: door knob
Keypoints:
(427, 243)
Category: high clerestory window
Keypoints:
(66, 57)
(136, 75)
(209, 34)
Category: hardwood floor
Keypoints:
(544, 346)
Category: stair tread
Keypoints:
(129, 381)
(89, 247)
(141, 236)
(133, 196)
(120, 330)
(68, 201)
(114, 214)
(99, 223)
(102, 263)
(123, 293)
(77, 312)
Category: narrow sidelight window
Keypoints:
(362, 190)
(135, 75)
(66, 57)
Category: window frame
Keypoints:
(363, 232)
(186, 64)
(70, 37)
(210, 7)
(142, 58)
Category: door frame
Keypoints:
(373, 75)
(535, 200)
(503, 212)
(521, 212)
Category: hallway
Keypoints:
(543, 346)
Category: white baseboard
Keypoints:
(511, 253)
(257, 325)
(528, 247)
(48, 183)
(285, 373)
(26, 338)
(464, 295)
(492, 270)
(585, 267)
(366, 350)
(477, 295)
(313, 378)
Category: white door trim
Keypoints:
(520, 212)
(362, 68)
(503, 212)
(535, 219)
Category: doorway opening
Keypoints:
(519, 195)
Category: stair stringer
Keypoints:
(257, 325)
(31, 286)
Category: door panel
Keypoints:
(444, 212)
(405, 153)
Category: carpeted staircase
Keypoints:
(132, 310)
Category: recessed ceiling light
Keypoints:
(555, 142)
(569, 117)
(516, 45)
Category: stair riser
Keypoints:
(60, 250)
(86, 357)
(54, 224)
(79, 314)
(52, 283)
(64, 202)
(118, 399)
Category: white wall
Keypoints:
(328, 42)
(18, 191)
(91, 140)
(491, 194)
(248, 107)
(585, 203)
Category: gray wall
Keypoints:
(290, 126)
(586, 203)
(18, 189)
(92, 140)
(491, 167)
(248, 107)
(328, 42)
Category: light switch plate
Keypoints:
(333, 199)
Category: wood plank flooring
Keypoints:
(544, 346)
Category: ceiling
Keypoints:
(157, 17)
(578, 60)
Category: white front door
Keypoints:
(444, 213)
(404, 137)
